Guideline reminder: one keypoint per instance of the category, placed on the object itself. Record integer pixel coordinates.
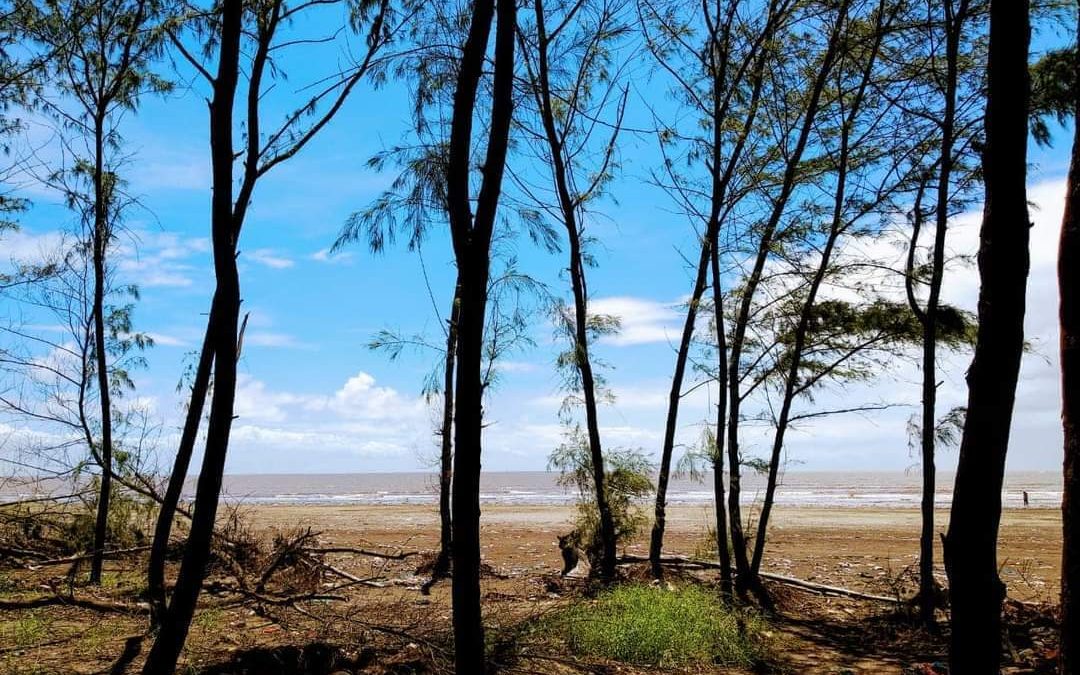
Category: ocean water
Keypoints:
(840, 489)
(833, 489)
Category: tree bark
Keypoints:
(446, 453)
(155, 575)
(1069, 284)
(954, 26)
(472, 250)
(722, 551)
(221, 336)
(747, 579)
(568, 210)
(101, 236)
(971, 544)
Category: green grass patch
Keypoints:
(650, 625)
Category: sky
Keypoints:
(312, 398)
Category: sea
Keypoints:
(832, 489)
(837, 489)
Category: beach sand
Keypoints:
(859, 548)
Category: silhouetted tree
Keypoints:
(471, 233)
(227, 28)
(976, 592)
(1069, 284)
(573, 62)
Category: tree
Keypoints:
(950, 126)
(572, 83)
(471, 235)
(101, 64)
(226, 28)
(976, 592)
(1069, 284)
(723, 82)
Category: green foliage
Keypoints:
(131, 518)
(1053, 91)
(650, 625)
(947, 431)
(627, 481)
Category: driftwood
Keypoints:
(677, 561)
(401, 555)
(85, 556)
(827, 590)
(85, 603)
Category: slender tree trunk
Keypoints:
(656, 543)
(747, 579)
(954, 27)
(222, 334)
(102, 197)
(1069, 283)
(721, 420)
(839, 224)
(568, 211)
(472, 244)
(446, 454)
(971, 544)
(155, 576)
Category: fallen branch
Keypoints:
(371, 583)
(677, 561)
(85, 556)
(401, 555)
(85, 603)
(19, 552)
(827, 590)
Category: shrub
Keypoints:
(650, 625)
(627, 481)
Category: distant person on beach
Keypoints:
(1025, 498)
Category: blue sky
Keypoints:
(313, 398)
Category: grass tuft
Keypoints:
(650, 625)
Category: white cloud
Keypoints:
(359, 418)
(643, 321)
(324, 255)
(272, 339)
(269, 258)
(165, 340)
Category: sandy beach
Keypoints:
(860, 548)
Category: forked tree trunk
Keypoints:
(221, 336)
(976, 592)
(1069, 284)
(794, 385)
(472, 250)
(747, 579)
(170, 501)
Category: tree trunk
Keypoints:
(568, 211)
(746, 579)
(155, 577)
(1069, 284)
(221, 336)
(971, 544)
(472, 250)
(100, 244)
(656, 543)
(446, 454)
(954, 27)
(721, 420)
